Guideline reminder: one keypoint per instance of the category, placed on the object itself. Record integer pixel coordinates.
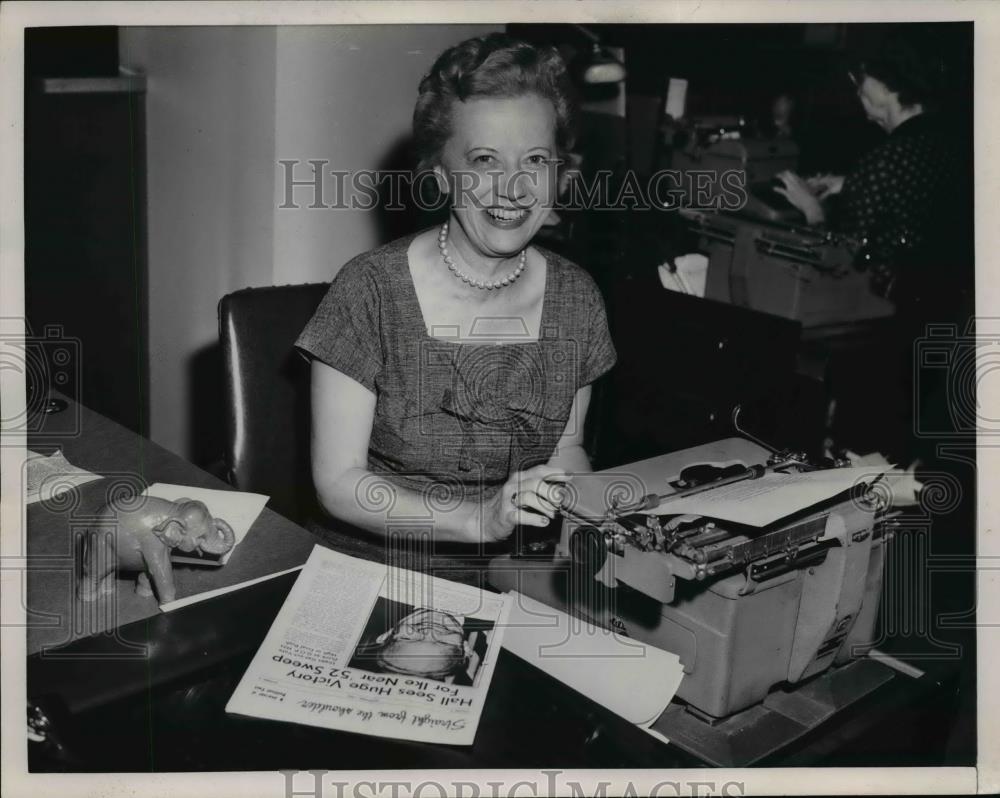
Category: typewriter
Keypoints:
(751, 612)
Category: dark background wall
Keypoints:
(739, 68)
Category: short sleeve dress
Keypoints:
(460, 416)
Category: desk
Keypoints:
(97, 444)
(169, 675)
(147, 692)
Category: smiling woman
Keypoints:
(452, 368)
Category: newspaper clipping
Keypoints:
(362, 647)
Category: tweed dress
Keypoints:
(453, 419)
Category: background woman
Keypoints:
(908, 204)
(902, 199)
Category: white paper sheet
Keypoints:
(355, 647)
(759, 502)
(236, 508)
(689, 275)
(48, 477)
(632, 679)
(184, 602)
(676, 97)
(903, 484)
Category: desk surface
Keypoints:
(184, 665)
(97, 444)
(156, 684)
(195, 657)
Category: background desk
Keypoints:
(147, 690)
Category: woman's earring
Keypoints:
(441, 181)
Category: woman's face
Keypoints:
(500, 168)
(781, 109)
(877, 100)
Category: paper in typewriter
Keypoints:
(363, 647)
(759, 502)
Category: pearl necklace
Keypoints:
(501, 283)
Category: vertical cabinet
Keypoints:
(85, 237)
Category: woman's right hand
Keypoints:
(798, 192)
(529, 498)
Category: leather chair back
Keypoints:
(267, 391)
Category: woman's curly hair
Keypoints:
(495, 65)
(908, 63)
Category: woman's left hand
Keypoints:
(531, 497)
(798, 193)
(824, 186)
(538, 491)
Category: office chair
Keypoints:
(267, 393)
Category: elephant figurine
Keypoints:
(142, 538)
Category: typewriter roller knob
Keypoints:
(588, 549)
